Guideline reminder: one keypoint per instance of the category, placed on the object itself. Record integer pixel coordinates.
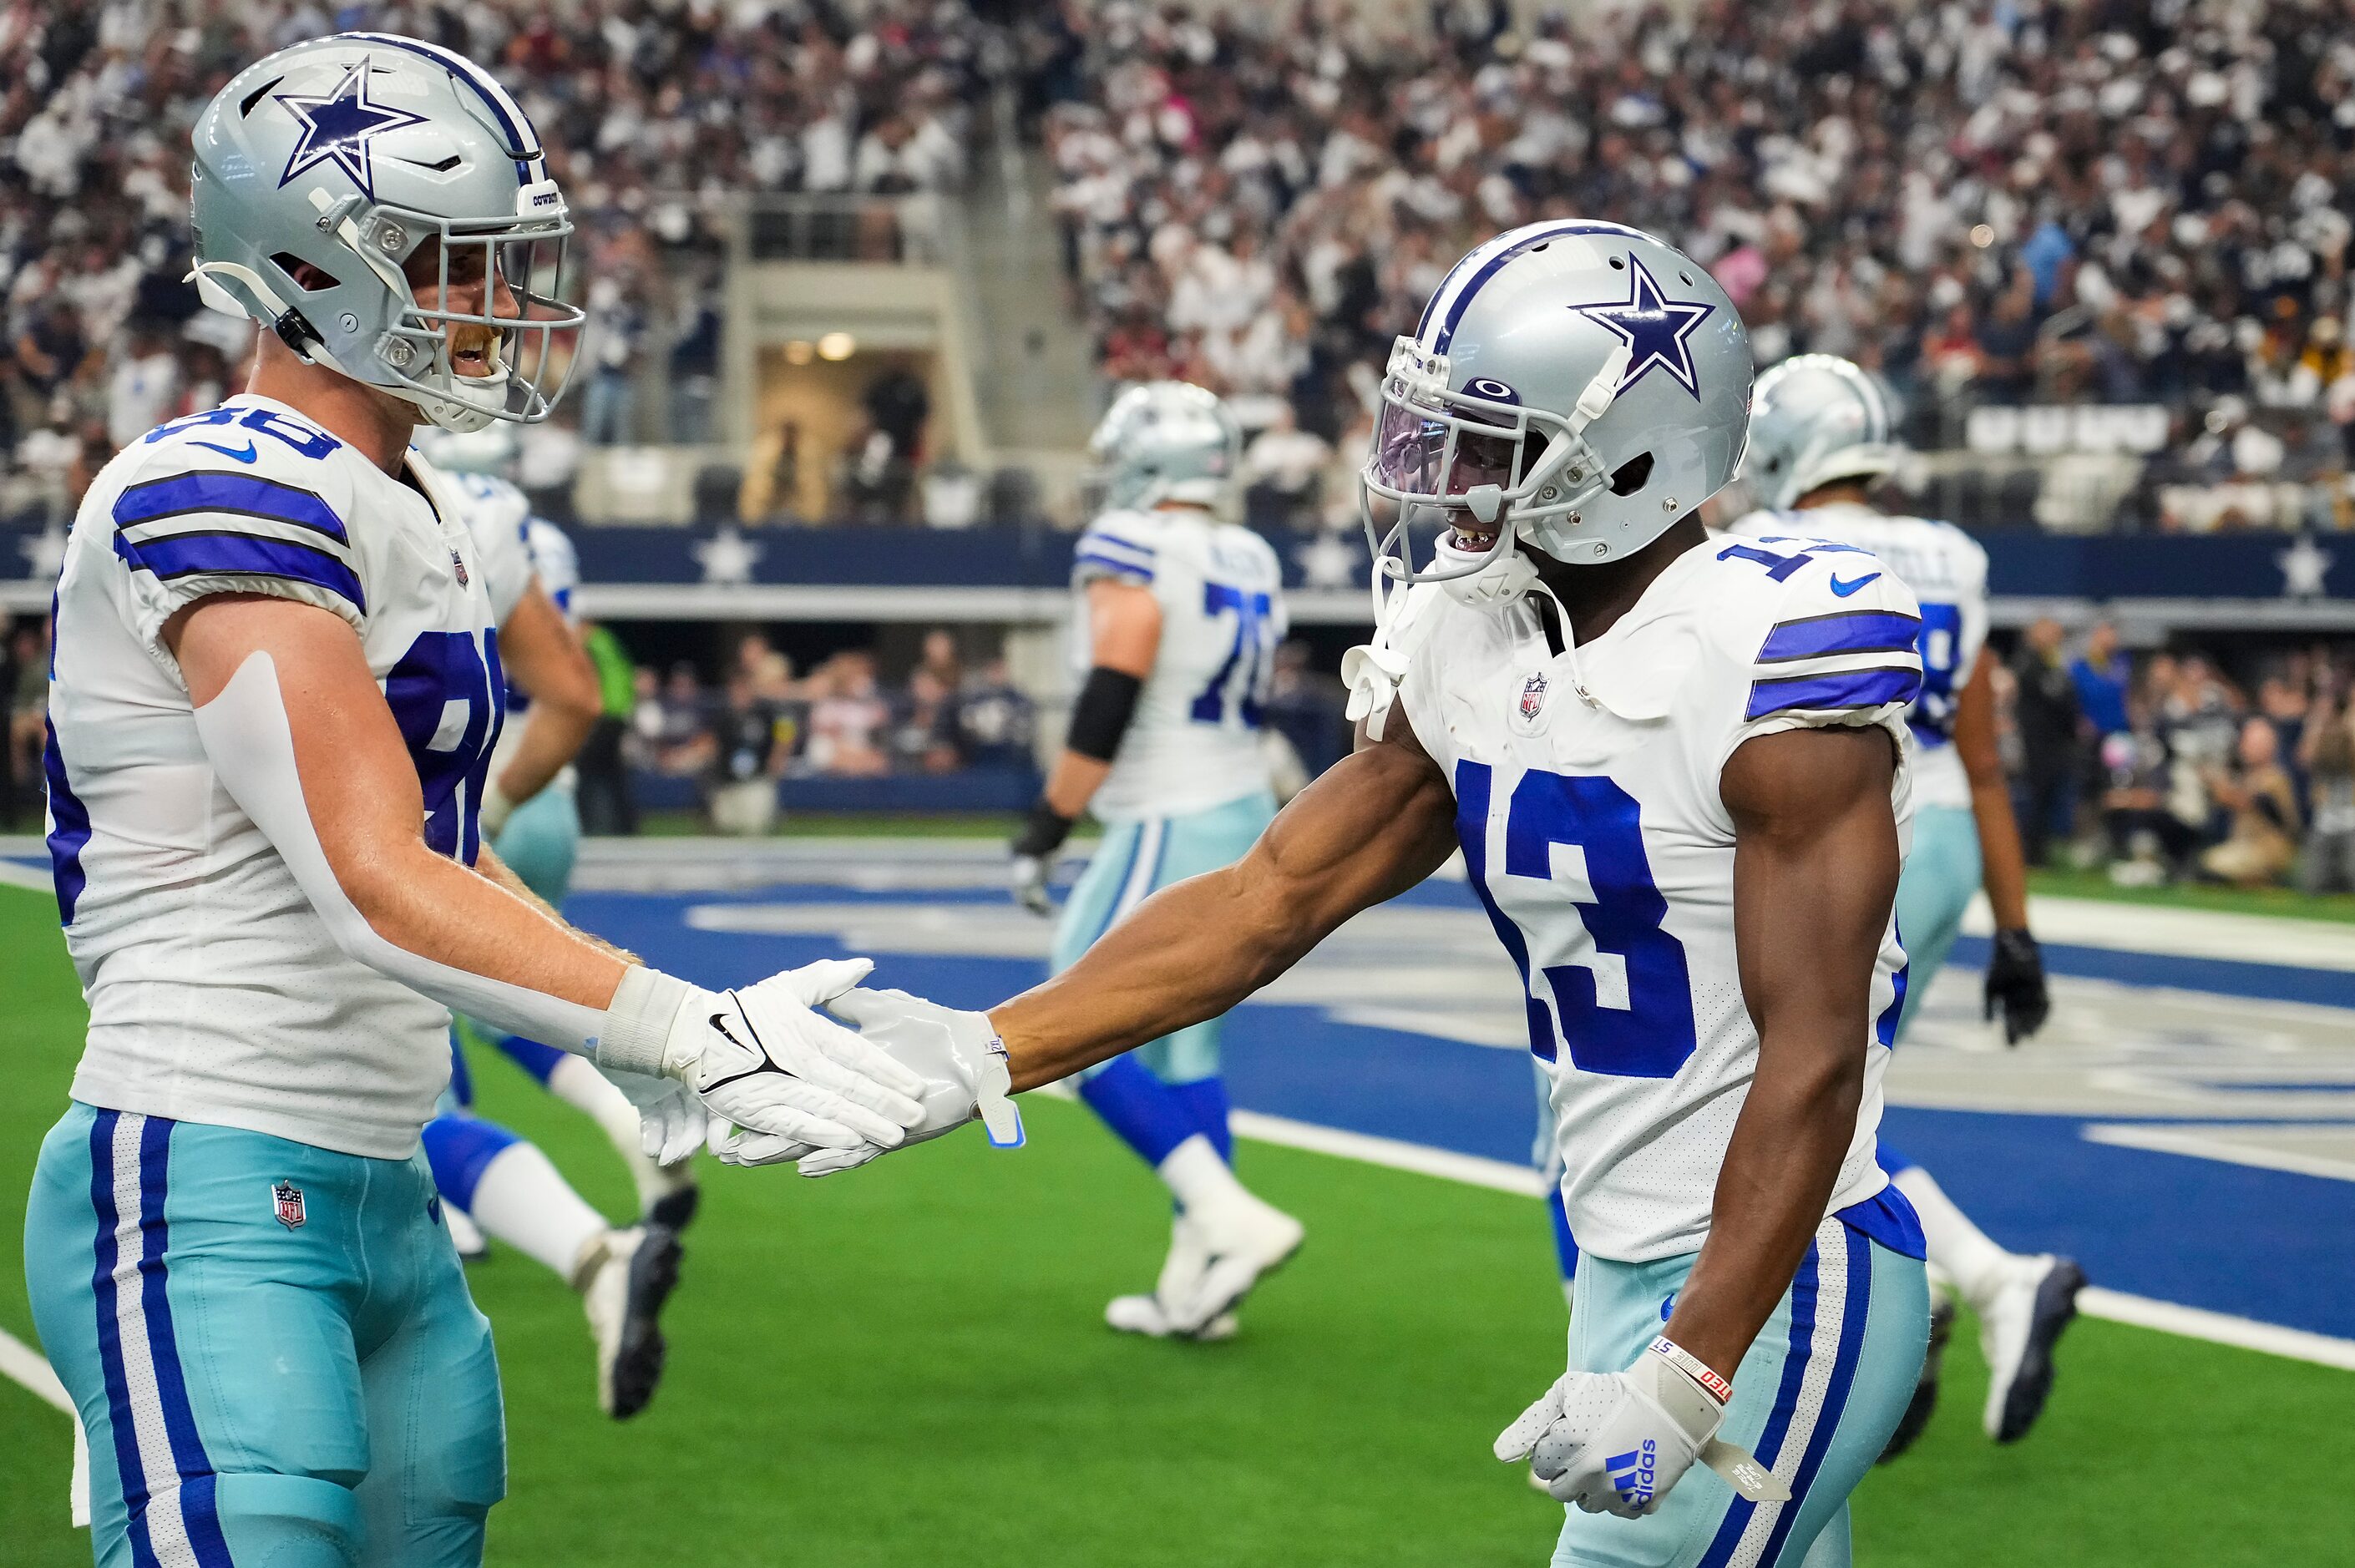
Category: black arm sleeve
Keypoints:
(1102, 715)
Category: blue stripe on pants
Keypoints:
(187, 1499)
(1769, 1446)
(1851, 1343)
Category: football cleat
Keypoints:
(1143, 1314)
(675, 1210)
(1926, 1389)
(629, 1278)
(1181, 1271)
(1243, 1240)
(2019, 1326)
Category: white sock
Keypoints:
(1194, 1171)
(524, 1202)
(577, 1081)
(1959, 1247)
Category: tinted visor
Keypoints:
(1418, 451)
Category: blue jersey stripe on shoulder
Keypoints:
(241, 555)
(1115, 564)
(1849, 632)
(240, 495)
(1867, 688)
(1095, 538)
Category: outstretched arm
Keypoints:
(1377, 823)
(1814, 873)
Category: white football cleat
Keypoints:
(1143, 1314)
(2020, 1324)
(1244, 1239)
(1181, 1271)
(627, 1276)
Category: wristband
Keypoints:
(1043, 832)
(1717, 1387)
(639, 1020)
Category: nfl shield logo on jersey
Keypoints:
(289, 1200)
(459, 562)
(1533, 691)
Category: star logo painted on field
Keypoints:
(338, 128)
(1655, 329)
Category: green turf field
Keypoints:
(907, 1365)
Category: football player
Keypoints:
(1182, 612)
(275, 690)
(485, 1171)
(1819, 436)
(1676, 770)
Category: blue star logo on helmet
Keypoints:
(1657, 330)
(339, 127)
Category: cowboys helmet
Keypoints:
(1167, 441)
(1819, 418)
(1576, 385)
(349, 192)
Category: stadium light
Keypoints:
(836, 345)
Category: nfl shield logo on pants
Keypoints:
(289, 1200)
(1533, 692)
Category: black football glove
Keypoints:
(2015, 982)
(1034, 856)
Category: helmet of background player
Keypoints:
(1817, 418)
(384, 206)
(491, 451)
(1580, 386)
(1167, 441)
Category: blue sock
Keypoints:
(1891, 1161)
(459, 1148)
(1206, 1099)
(533, 1057)
(1142, 1111)
(1565, 1246)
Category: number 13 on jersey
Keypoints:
(1575, 906)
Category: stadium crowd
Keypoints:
(2120, 201)
(647, 112)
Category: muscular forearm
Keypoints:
(2004, 864)
(488, 862)
(1074, 782)
(1190, 952)
(1779, 1172)
(479, 924)
(1377, 823)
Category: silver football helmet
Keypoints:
(1578, 385)
(1819, 417)
(1167, 441)
(384, 206)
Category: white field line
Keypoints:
(24, 1365)
(1446, 1164)
(2212, 1141)
(33, 879)
(2218, 1327)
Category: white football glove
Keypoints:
(761, 1060)
(1616, 1442)
(956, 1054)
(671, 1120)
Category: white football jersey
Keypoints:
(1947, 570)
(1594, 835)
(1194, 742)
(216, 993)
(515, 547)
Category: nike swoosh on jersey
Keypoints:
(1846, 588)
(248, 455)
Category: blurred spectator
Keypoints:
(2102, 675)
(745, 760)
(1283, 470)
(2044, 708)
(2328, 753)
(849, 720)
(1304, 706)
(2261, 839)
(606, 803)
(997, 723)
(28, 665)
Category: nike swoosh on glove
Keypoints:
(762, 1059)
(1616, 1442)
(958, 1057)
